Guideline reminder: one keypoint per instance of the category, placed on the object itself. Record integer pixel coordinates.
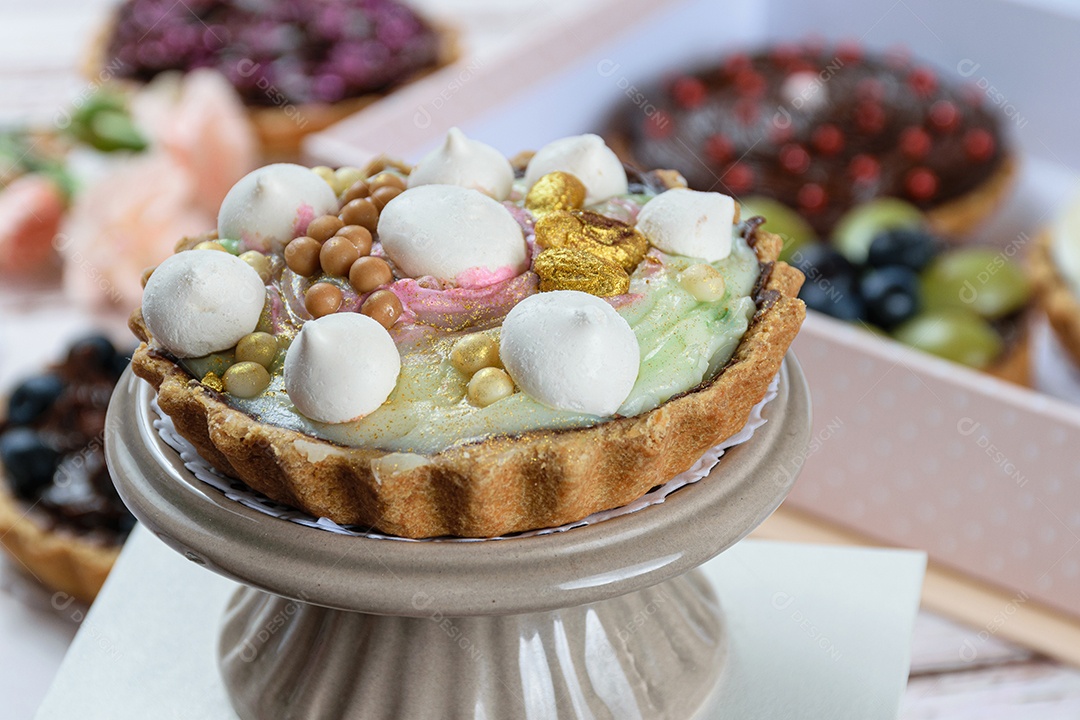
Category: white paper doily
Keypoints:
(236, 490)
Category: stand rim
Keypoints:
(509, 576)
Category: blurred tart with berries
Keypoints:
(60, 516)
(823, 129)
(467, 347)
(886, 268)
(1055, 274)
(298, 66)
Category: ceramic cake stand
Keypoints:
(610, 620)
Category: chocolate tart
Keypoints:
(498, 483)
(68, 531)
(1054, 295)
(823, 129)
(280, 117)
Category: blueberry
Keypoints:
(907, 247)
(891, 295)
(818, 260)
(837, 296)
(125, 523)
(28, 462)
(94, 352)
(33, 398)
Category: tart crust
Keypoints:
(960, 216)
(1054, 295)
(62, 561)
(502, 484)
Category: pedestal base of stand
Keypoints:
(654, 653)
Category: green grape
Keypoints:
(858, 227)
(779, 219)
(978, 279)
(954, 334)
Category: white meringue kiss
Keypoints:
(587, 158)
(270, 206)
(468, 163)
(445, 230)
(341, 367)
(202, 301)
(688, 222)
(570, 351)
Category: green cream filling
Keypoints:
(683, 342)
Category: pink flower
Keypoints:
(30, 211)
(199, 120)
(128, 220)
(132, 216)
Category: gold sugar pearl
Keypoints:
(337, 256)
(555, 191)
(146, 275)
(302, 256)
(258, 347)
(387, 179)
(572, 269)
(368, 273)
(210, 245)
(382, 306)
(738, 213)
(323, 227)
(326, 173)
(359, 236)
(345, 177)
(258, 262)
(703, 282)
(474, 352)
(323, 299)
(604, 237)
(358, 190)
(361, 212)
(382, 195)
(489, 385)
(246, 379)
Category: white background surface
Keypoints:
(815, 633)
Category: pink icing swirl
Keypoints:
(427, 301)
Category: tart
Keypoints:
(60, 516)
(888, 270)
(1054, 266)
(298, 67)
(823, 129)
(467, 347)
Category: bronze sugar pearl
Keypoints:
(382, 306)
(359, 189)
(146, 275)
(337, 256)
(368, 273)
(361, 212)
(323, 299)
(383, 195)
(386, 179)
(323, 227)
(359, 236)
(302, 256)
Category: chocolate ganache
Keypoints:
(820, 129)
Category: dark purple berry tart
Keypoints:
(299, 66)
(823, 129)
(61, 519)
